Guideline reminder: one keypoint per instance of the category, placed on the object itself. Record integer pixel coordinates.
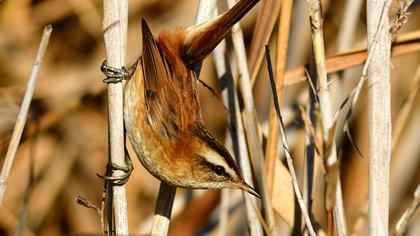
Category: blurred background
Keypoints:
(64, 143)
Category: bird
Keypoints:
(162, 114)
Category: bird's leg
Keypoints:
(116, 75)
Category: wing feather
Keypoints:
(162, 101)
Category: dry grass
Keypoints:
(64, 143)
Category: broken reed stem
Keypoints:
(281, 52)
(164, 204)
(236, 129)
(250, 121)
(298, 194)
(315, 14)
(402, 224)
(379, 113)
(23, 112)
(115, 38)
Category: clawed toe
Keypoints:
(119, 179)
(116, 75)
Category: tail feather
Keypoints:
(202, 39)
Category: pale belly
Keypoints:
(152, 157)
(133, 116)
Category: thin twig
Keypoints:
(402, 224)
(23, 112)
(115, 37)
(286, 147)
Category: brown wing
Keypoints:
(162, 100)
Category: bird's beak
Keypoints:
(247, 188)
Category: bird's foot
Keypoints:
(118, 179)
(116, 75)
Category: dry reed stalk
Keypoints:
(163, 210)
(230, 100)
(251, 124)
(271, 152)
(115, 37)
(402, 224)
(164, 204)
(315, 14)
(266, 21)
(379, 107)
(296, 188)
(23, 112)
(354, 96)
(409, 43)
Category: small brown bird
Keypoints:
(162, 111)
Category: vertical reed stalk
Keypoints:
(315, 14)
(163, 210)
(115, 37)
(379, 107)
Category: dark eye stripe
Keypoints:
(215, 145)
(218, 169)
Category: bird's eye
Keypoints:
(219, 170)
